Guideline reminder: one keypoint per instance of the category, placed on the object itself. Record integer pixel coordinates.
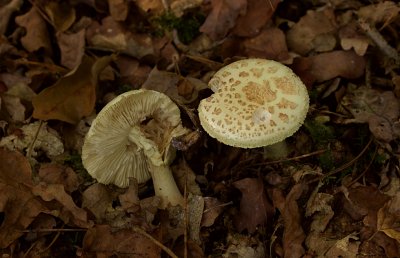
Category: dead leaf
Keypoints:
(104, 241)
(254, 205)
(326, 66)
(150, 6)
(244, 247)
(293, 234)
(119, 9)
(68, 211)
(17, 203)
(351, 37)
(130, 200)
(382, 12)
(5, 13)
(389, 217)
(37, 35)
(171, 84)
(113, 36)
(59, 174)
(315, 31)
(257, 15)
(61, 14)
(98, 200)
(47, 140)
(178, 7)
(381, 110)
(269, 44)
(212, 209)
(72, 47)
(73, 96)
(222, 17)
(344, 247)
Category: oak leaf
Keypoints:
(73, 96)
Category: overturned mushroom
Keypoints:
(131, 137)
(256, 102)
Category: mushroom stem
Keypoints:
(165, 186)
(277, 150)
(163, 180)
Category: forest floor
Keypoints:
(335, 192)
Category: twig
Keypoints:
(32, 145)
(155, 241)
(380, 41)
(293, 158)
(344, 166)
(45, 230)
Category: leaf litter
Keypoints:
(336, 194)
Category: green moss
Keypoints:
(187, 26)
(320, 133)
(326, 161)
(75, 162)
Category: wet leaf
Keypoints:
(73, 96)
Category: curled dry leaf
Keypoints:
(222, 17)
(345, 247)
(254, 205)
(37, 35)
(326, 66)
(73, 96)
(315, 31)
(104, 241)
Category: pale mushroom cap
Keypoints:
(110, 156)
(256, 102)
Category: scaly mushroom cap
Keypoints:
(256, 103)
(133, 129)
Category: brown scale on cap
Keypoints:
(256, 102)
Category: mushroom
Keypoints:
(131, 137)
(256, 102)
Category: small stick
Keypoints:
(44, 230)
(379, 40)
(155, 241)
